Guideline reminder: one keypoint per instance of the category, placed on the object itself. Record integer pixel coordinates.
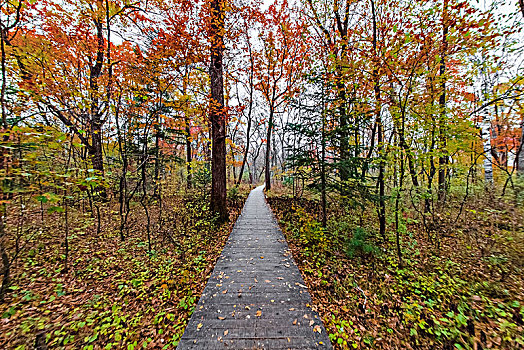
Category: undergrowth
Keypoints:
(465, 293)
(115, 295)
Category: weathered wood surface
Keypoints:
(255, 297)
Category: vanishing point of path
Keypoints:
(255, 297)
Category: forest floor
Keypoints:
(114, 294)
(460, 284)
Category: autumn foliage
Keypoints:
(388, 134)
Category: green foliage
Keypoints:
(310, 234)
(233, 193)
(360, 244)
(430, 301)
(201, 176)
(115, 294)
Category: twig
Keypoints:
(365, 297)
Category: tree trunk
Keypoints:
(249, 122)
(268, 150)
(344, 134)
(95, 149)
(246, 152)
(4, 272)
(217, 113)
(486, 138)
(188, 150)
(443, 159)
(4, 82)
(520, 153)
(380, 132)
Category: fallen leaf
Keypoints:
(226, 332)
(199, 326)
(259, 313)
(295, 322)
(317, 329)
(221, 318)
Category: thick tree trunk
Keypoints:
(95, 149)
(323, 161)
(217, 113)
(268, 150)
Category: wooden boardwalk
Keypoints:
(255, 297)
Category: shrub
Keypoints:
(359, 244)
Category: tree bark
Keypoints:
(380, 131)
(486, 138)
(249, 113)
(189, 157)
(268, 150)
(95, 150)
(443, 159)
(217, 113)
(520, 153)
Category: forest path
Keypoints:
(255, 297)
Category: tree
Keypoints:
(217, 112)
(280, 63)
